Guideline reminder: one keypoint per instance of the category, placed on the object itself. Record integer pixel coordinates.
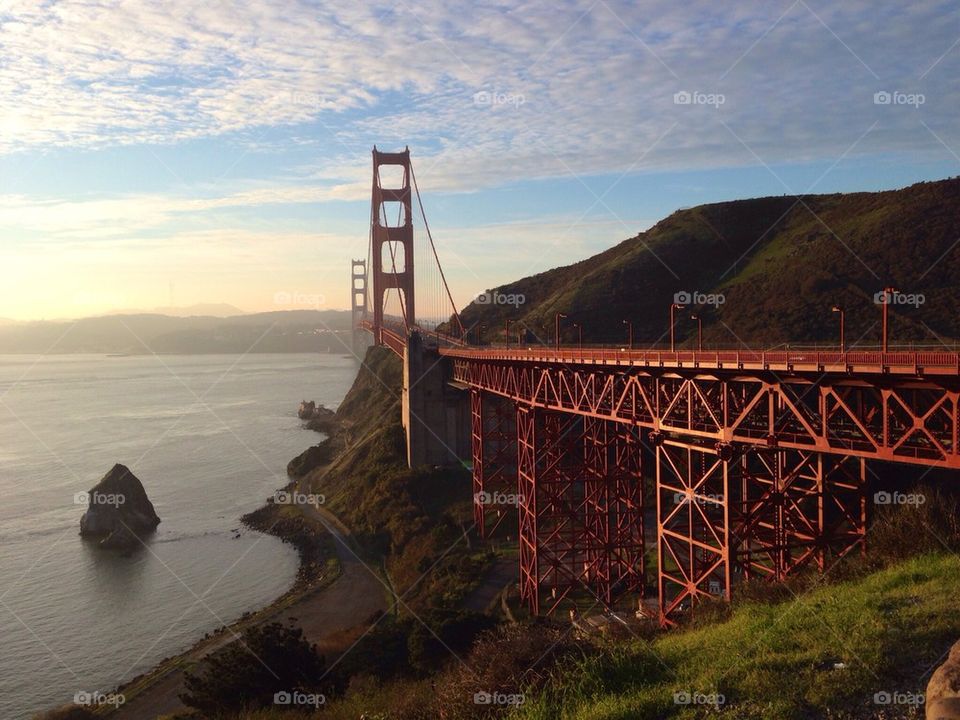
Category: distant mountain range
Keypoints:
(270, 332)
(221, 310)
(760, 272)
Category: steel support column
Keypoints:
(494, 449)
(693, 526)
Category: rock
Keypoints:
(306, 409)
(309, 460)
(943, 690)
(310, 410)
(119, 510)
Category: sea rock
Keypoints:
(943, 690)
(118, 510)
(309, 410)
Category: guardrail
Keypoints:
(899, 362)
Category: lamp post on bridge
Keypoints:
(556, 328)
(674, 307)
(839, 309)
(506, 333)
(629, 324)
(579, 328)
(887, 293)
(480, 328)
(699, 331)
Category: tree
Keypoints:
(248, 673)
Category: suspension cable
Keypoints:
(433, 247)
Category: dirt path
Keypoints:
(327, 616)
(502, 573)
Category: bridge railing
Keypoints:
(787, 360)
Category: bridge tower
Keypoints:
(358, 295)
(391, 238)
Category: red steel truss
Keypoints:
(581, 509)
(494, 446)
(743, 488)
(896, 418)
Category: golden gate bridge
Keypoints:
(760, 457)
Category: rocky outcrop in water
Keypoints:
(318, 417)
(118, 510)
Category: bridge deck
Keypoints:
(787, 361)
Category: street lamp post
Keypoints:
(699, 331)
(629, 324)
(506, 333)
(556, 328)
(887, 293)
(480, 328)
(673, 307)
(579, 328)
(839, 309)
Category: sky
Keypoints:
(215, 151)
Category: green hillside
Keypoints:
(780, 263)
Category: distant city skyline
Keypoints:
(224, 148)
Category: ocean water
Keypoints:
(209, 437)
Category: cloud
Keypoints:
(565, 88)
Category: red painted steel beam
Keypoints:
(895, 419)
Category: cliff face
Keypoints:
(118, 509)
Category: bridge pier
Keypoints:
(725, 513)
(693, 525)
(580, 509)
(493, 441)
(436, 417)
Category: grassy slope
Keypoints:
(780, 263)
(772, 661)
(411, 519)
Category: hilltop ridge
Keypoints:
(778, 264)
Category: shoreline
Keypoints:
(318, 568)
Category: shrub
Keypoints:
(268, 659)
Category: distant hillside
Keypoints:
(283, 331)
(780, 263)
(220, 310)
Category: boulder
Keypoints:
(943, 690)
(118, 510)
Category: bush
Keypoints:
(511, 660)
(246, 674)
